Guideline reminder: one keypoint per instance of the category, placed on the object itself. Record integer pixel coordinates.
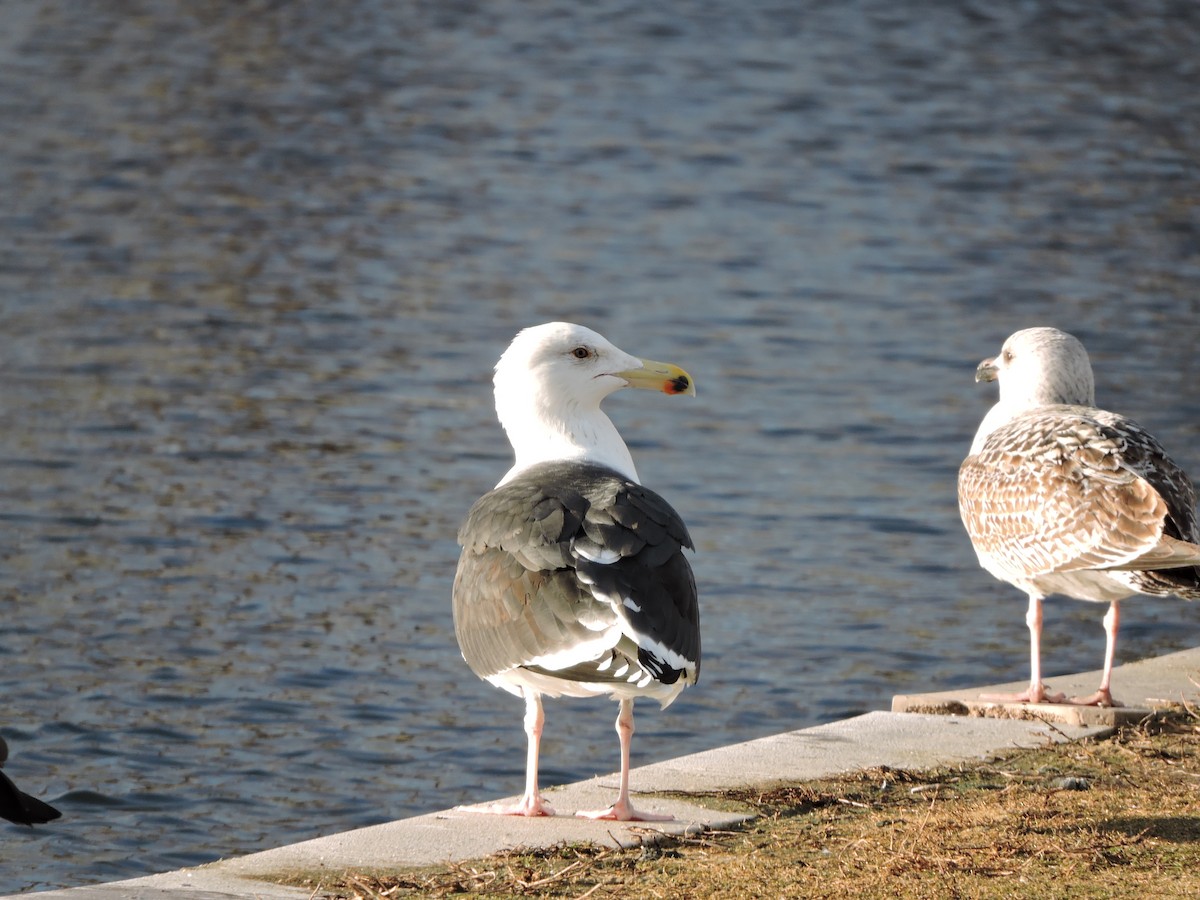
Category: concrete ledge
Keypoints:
(1064, 713)
(903, 740)
(1142, 687)
(899, 741)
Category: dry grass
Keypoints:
(1113, 818)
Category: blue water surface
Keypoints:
(258, 259)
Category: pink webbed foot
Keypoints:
(1102, 697)
(1030, 695)
(623, 811)
(527, 806)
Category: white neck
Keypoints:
(578, 433)
(998, 415)
(1018, 398)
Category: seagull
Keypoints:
(572, 578)
(17, 806)
(1060, 497)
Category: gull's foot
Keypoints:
(623, 811)
(1030, 695)
(527, 806)
(1103, 698)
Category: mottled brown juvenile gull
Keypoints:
(572, 579)
(1060, 497)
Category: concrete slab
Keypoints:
(902, 740)
(899, 741)
(184, 884)
(1143, 687)
(458, 834)
(951, 704)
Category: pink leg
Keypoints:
(531, 804)
(1036, 693)
(623, 810)
(1103, 696)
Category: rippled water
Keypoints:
(258, 260)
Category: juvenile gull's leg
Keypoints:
(1103, 696)
(1036, 692)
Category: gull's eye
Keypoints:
(1008, 355)
(581, 352)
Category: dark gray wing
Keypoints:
(563, 554)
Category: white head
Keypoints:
(550, 383)
(1036, 367)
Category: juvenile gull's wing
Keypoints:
(1062, 489)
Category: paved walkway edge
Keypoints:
(903, 740)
